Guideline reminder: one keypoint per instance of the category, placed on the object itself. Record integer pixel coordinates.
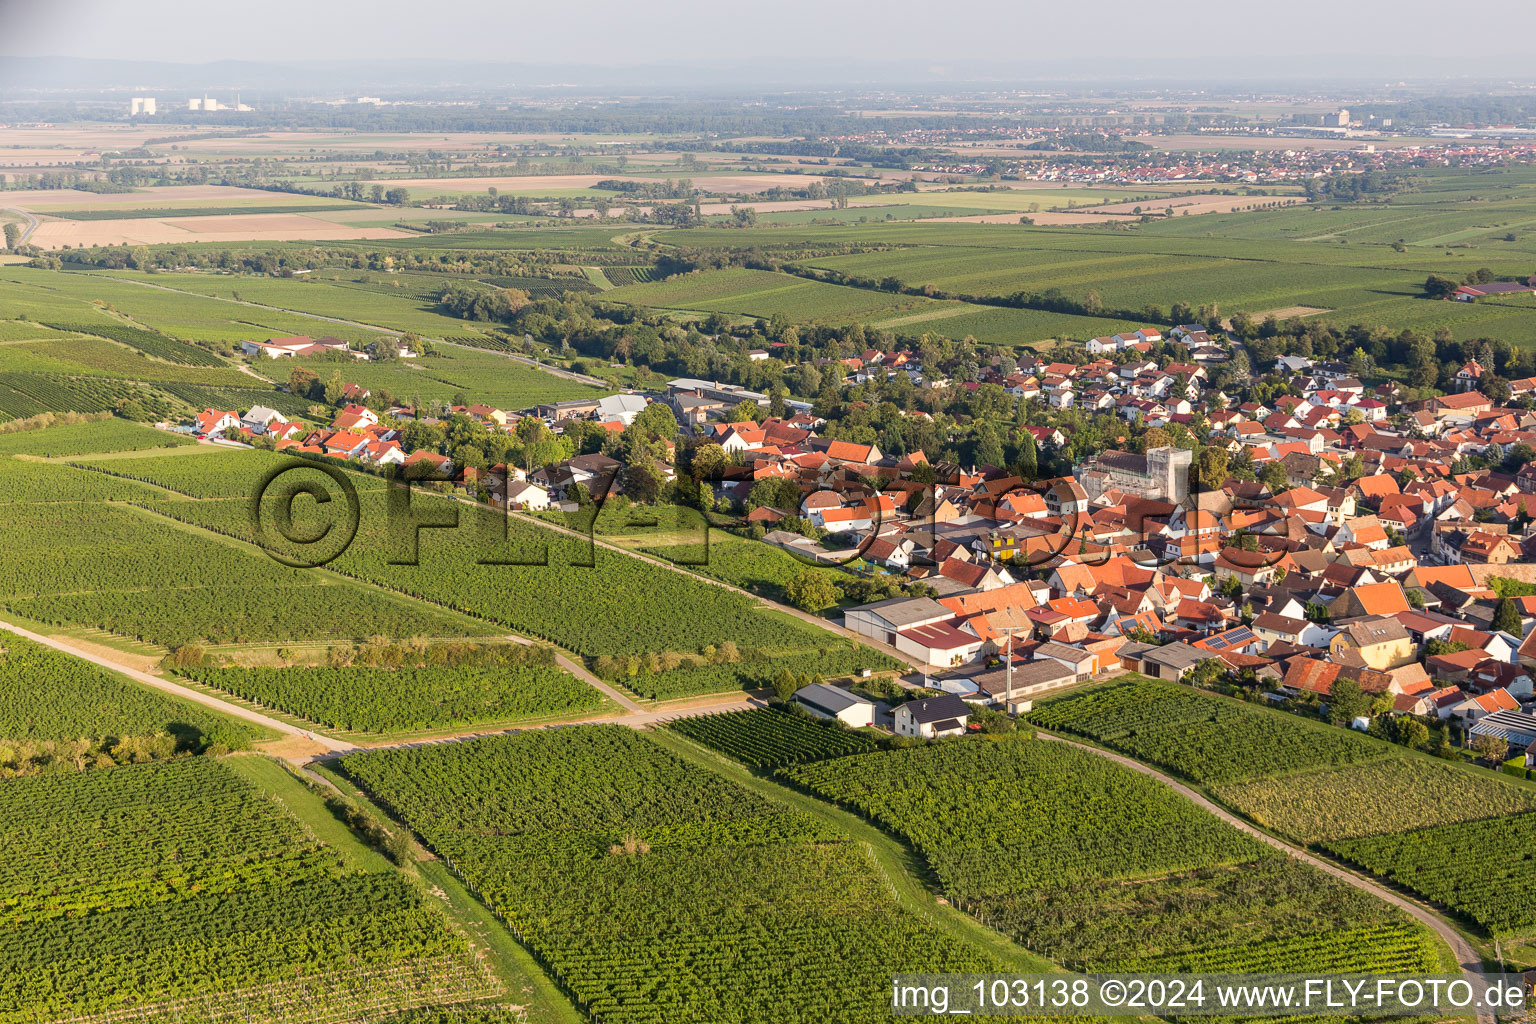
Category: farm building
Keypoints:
(826, 701)
(882, 620)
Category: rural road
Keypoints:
(1471, 962)
(180, 691)
(580, 378)
(635, 716)
(26, 215)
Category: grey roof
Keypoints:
(1134, 649)
(936, 709)
(1178, 656)
(1051, 649)
(906, 611)
(1517, 727)
(828, 699)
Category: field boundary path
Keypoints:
(635, 715)
(183, 692)
(1471, 962)
(556, 371)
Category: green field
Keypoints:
(761, 294)
(49, 696)
(192, 888)
(206, 590)
(647, 884)
(409, 698)
(100, 436)
(1101, 868)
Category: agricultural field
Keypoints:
(49, 696)
(1386, 795)
(767, 739)
(573, 833)
(521, 576)
(761, 294)
(209, 591)
(408, 699)
(190, 886)
(1100, 868)
(212, 472)
(97, 437)
(1481, 870)
(756, 668)
(1202, 738)
(82, 298)
(487, 377)
(323, 293)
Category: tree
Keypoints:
(1491, 748)
(1347, 702)
(656, 420)
(1438, 287)
(709, 462)
(1029, 456)
(12, 235)
(778, 492)
(642, 483)
(1273, 477)
(302, 382)
(810, 590)
(785, 684)
(745, 411)
(1507, 618)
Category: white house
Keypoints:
(260, 417)
(215, 421)
(522, 494)
(932, 717)
(831, 702)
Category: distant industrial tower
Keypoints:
(141, 105)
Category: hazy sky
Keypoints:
(1120, 32)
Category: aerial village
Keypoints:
(1380, 573)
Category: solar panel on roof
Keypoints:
(1232, 638)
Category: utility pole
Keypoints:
(1009, 632)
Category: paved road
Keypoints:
(556, 371)
(1471, 962)
(32, 222)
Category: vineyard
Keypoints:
(588, 600)
(101, 436)
(385, 700)
(755, 670)
(654, 890)
(205, 590)
(90, 355)
(25, 481)
(1481, 870)
(621, 276)
(1101, 868)
(1386, 795)
(1202, 738)
(144, 885)
(148, 342)
(27, 394)
(218, 472)
(46, 695)
(765, 738)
